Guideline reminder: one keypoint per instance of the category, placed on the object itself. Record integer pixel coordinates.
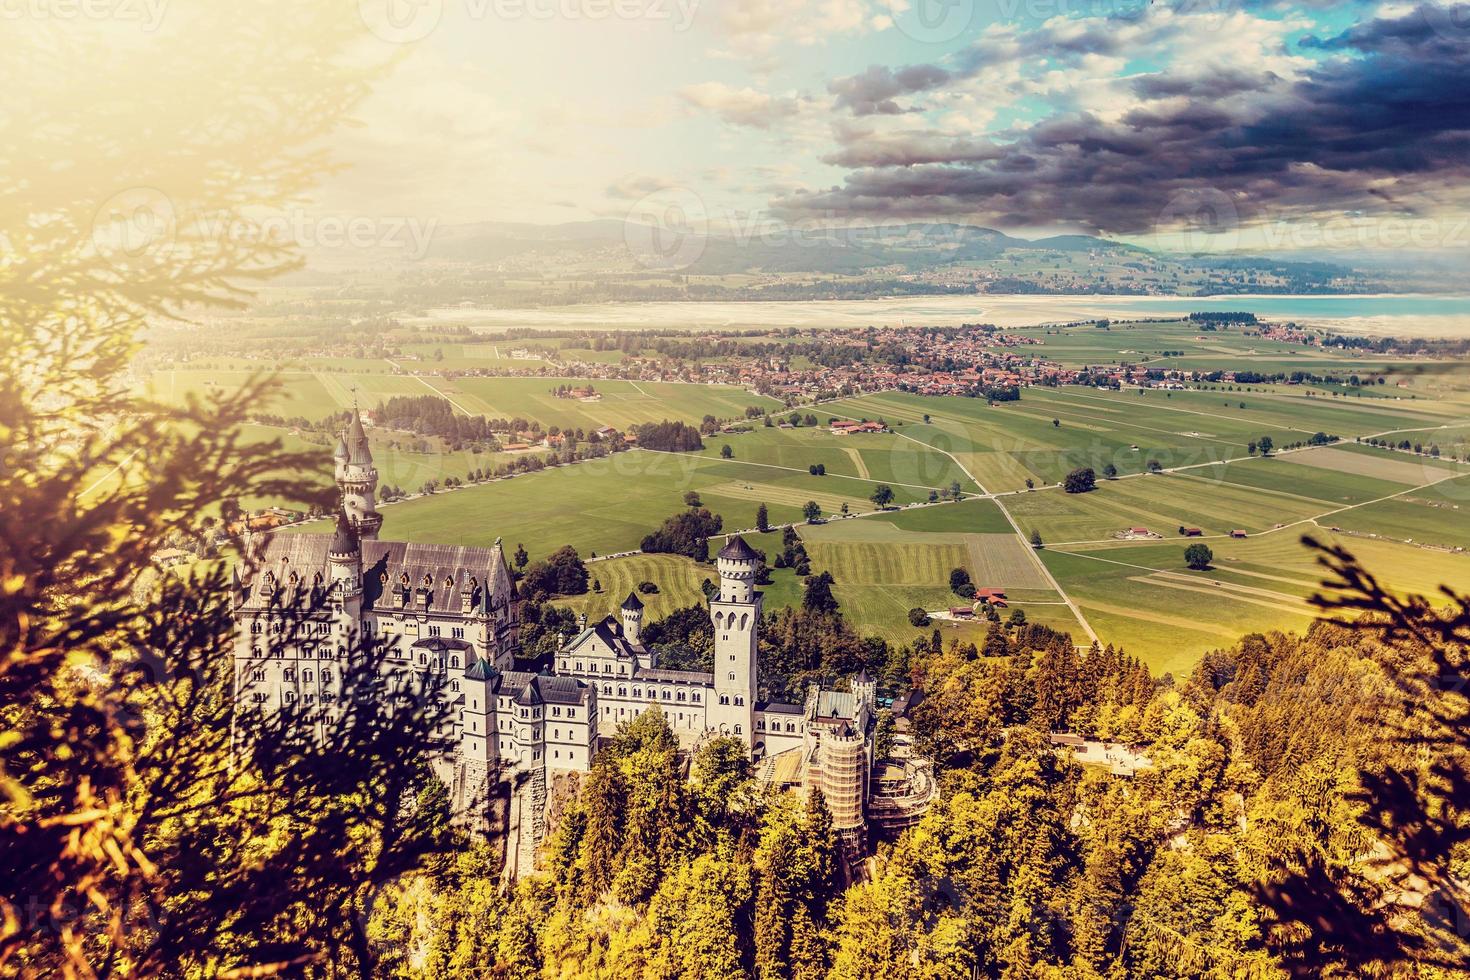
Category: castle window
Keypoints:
(737, 730)
(791, 726)
(258, 697)
(739, 701)
(666, 694)
(306, 676)
(289, 674)
(255, 626)
(257, 675)
(290, 696)
(579, 665)
(681, 695)
(457, 632)
(433, 631)
(326, 677)
(724, 699)
(310, 698)
(622, 692)
(696, 697)
(454, 686)
(454, 660)
(424, 660)
(732, 675)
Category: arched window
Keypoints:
(732, 675)
(454, 660)
(744, 618)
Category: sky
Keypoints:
(1202, 125)
(1148, 120)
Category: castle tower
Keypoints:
(344, 557)
(865, 689)
(479, 746)
(632, 611)
(736, 614)
(357, 479)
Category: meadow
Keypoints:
(1400, 511)
(315, 394)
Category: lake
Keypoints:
(1414, 315)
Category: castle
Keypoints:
(448, 615)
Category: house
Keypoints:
(961, 612)
(1191, 532)
(987, 594)
(1237, 533)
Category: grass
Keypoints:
(608, 505)
(678, 580)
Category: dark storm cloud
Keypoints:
(875, 90)
(1390, 101)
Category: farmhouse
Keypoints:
(1237, 533)
(843, 427)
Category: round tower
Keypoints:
(344, 557)
(844, 777)
(737, 563)
(632, 611)
(735, 613)
(357, 479)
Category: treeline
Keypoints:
(686, 533)
(1226, 318)
(432, 415)
(668, 436)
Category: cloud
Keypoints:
(637, 186)
(1376, 117)
(741, 106)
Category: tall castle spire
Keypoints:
(357, 478)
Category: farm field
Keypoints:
(623, 403)
(315, 394)
(1134, 593)
(677, 578)
(1143, 598)
(1050, 432)
(883, 457)
(608, 505)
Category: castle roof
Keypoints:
(837, 705)
(358, 453)
(738, 550)
(341, 452)
(481, 670)
(530, 688)
(632, 602)
(345, 541)
(444, 571)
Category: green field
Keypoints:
(608, 505)
(315, 394)
(1403, 513)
